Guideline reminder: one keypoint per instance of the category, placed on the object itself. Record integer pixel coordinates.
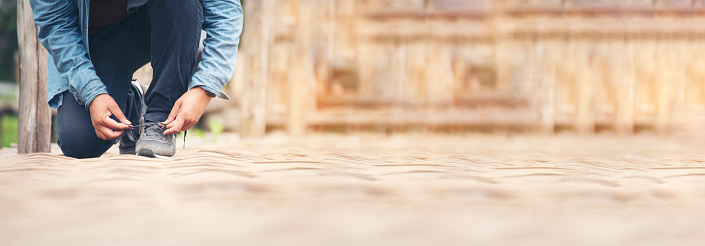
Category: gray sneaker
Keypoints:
(129, 139)
(153, 142)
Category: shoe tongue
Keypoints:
(154, 129)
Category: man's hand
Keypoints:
(102, 107)
(187, 110)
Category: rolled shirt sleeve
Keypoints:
(222, 22)
(60, 34)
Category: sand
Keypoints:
(364, 190)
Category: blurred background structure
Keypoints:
(455, 65)
(445, 65)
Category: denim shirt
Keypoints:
(63, 31)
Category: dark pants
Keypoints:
(164, 32)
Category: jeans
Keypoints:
(164, 32)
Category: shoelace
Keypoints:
(161, 126)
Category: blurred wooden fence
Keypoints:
(536, 64)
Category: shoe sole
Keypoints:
(153, 148)
(128, 153)
(149, 153)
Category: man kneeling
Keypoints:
(94, 48)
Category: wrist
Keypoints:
(97, 98)
(204, 91)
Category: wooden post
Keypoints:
(625, 74)
(34, 133)
(257, 40)
(547, 105)
(301, 95)
(664, 96)
(585, 115)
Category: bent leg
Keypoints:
(175, 33)
(75, 133)
(115, 60)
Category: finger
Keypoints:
(174, 112)
(113, 134)
(99, 134)
(104, 131)
(175, 126)
(99, 131)
(179, 117)
(108, 134)
(188, 125)
(118, 114)
(113, 125)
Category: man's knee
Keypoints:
(74, 131)
(81, 143)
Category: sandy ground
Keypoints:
(364, 190)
